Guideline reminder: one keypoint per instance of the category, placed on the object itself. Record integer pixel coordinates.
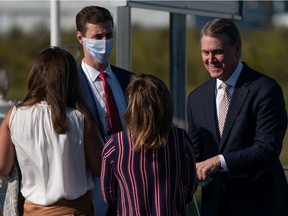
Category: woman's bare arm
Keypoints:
(93, 148)
(7, 151)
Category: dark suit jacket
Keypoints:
(123, 77)
(251, 144)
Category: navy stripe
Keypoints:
(151, 182)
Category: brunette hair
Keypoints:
(54, 79)
(149, 113)
(93, 15)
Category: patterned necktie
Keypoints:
(113, 120)
(223, 106)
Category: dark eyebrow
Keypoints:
(103, 34)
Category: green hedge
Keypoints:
(264, 50)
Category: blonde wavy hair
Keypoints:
(149, 114)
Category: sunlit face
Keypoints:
(100, 31)
(219, 57)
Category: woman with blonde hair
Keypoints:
(150, 170)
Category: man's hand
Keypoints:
(207, 167)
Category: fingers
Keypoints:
(206, 168)
(203, 173)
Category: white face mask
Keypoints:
(99, 49)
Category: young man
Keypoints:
(241, 157)
(95, 33)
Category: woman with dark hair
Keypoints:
(150, 170)
(54, 138)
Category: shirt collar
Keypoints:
(93, 74)
(233, 78)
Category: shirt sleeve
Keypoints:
(223, 163)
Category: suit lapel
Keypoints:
(87, 93)
(123, 78)
(89, 99)
(211, 111)
(240, 93)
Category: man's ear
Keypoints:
(79, 37)
(238, 49)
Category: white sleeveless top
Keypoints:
(52, 165)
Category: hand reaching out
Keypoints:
(207, 167)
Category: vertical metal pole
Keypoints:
(178, 67)
(55, 33)
(123, 51)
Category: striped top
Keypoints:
(150, 182)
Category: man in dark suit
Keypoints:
(95, 33)
(241, 161)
